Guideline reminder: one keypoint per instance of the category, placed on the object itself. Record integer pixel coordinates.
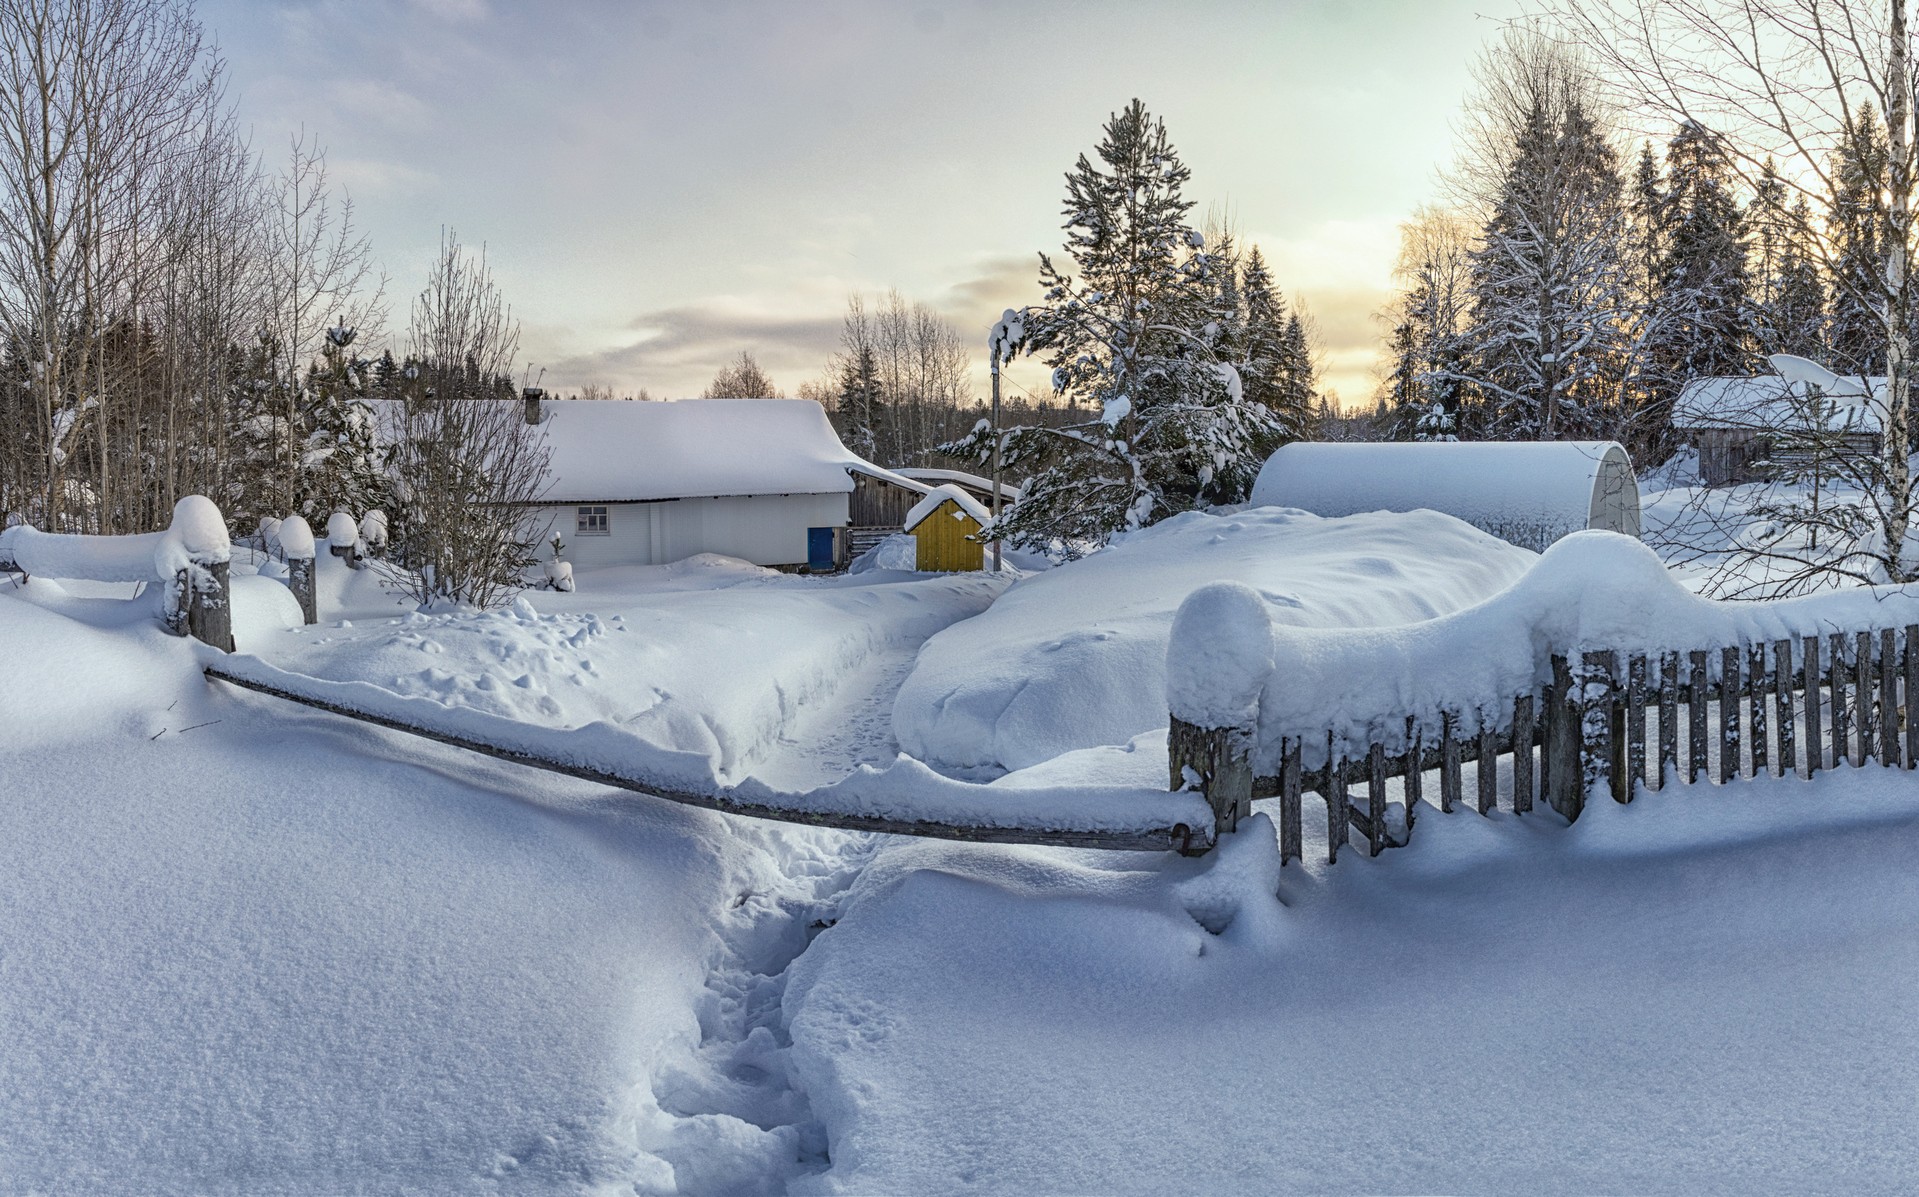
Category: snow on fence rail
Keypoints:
(191, 559)
(905, 798)
(1577, 674)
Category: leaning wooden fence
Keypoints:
(1607, 722)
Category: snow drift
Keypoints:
(1076, 657)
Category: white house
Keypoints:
(1530, 493)
(646, 483)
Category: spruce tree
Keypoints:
(1699, 322)
(1856, 231)
(859, 401)
(1274, 362)
(1548, 341)
(340, 467)
(1132, 334)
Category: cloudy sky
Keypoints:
(661, 185)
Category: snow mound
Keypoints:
(1223, 656)
(714, 672)
(342, 530)
(1592, 590)
(296, 537)
(1076, 656)
(898, 552)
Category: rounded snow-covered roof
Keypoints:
(1529, 493)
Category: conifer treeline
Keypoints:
(1572, 297)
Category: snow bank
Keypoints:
(898, 553)
(253, 950)
(906, 790)
(719, 673)
(262, 608)
(1690, 993)
(94, 558)
(1076, 656)
(1592, 590)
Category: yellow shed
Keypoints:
(947, 524)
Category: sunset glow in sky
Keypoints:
(663, 185)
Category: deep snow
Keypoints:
(1076, 657)
(252, 948)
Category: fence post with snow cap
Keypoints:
(343, 538)
(373, 533)
(195, 554)
(1218, 660)
(296, 541)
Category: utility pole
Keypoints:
(997, 339)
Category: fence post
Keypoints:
(210, 611)
(1220, 761)
(343, 538)
(1564, 775)
(1218, 660)
(296, 541)
(178, 598)
(300, 581)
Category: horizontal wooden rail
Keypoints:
(1177, 838)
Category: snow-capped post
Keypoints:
(192, 559)
(343, 538)
(296, 541)
(1218, 660)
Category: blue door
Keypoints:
(819, 550)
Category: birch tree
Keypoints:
(1788, 81)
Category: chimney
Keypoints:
(532, 397)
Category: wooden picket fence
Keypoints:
(1608, 723)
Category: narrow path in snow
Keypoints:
(736, 1120)
(853, 726)
(733, 1118)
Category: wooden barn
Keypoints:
(1754, 429)
(881, 500)
(1529, 493)
(647, 483)
(947, 525)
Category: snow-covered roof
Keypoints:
(940, 495)
(1007, 491)
(611, 450)
(1768, 401)
(1530, 493)
(860, 465)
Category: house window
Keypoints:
(593, 522)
